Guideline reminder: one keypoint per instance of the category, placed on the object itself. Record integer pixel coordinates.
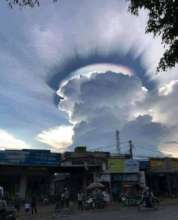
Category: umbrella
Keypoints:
(95, 185)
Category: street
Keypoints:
(164, 213)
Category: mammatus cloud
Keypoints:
(8, 140)
(58, 138)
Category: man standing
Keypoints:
(80, 200)
(34, 205)
(66, 197)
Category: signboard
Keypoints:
(103, 178)
(116, 165)
(126, 177)
(131, 166)
(155, 163)
(164, 165)
(142, 179)
(123, 166)
(29, 158)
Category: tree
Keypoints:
(163, 21)
(25, 3)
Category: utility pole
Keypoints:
(118, 141)
(131, 149)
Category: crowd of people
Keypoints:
(96, 198)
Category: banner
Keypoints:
(116, 165)
(123, 166)
(29, 158)
(131, 166)
(103, 178)
(164, 165)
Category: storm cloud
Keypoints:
(99, 105)
(45, 49)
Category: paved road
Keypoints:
(164, 213)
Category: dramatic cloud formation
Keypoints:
(11, 142)
(103, 103)
(70, 46)
(58, 138)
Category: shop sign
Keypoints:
(126, 177)
(157, 163)
(103, 178)
(131, 166)
(123, 166)
(142, 179)
(116, 165)
(29, 158)
(164, 165)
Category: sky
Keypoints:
(74, 72)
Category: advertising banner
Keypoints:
(29, 158)
(164, 165)
(123, 166)
(131, 166)
(103, 178)
(116, 165)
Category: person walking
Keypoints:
(34, 205)
(27, 207)
(66, 197)
(80, 200)
(17, 203)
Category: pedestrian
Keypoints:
(106, 197)
(27, 207)
(62, 200)
(17, 203)
(80, 200)
(34, 205)
(66, 197)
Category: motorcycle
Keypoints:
(6, 212)
(7, 215)
(151, 204)
(89, 203)
(130, 200)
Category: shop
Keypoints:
(125, 177)
(27, 172)
(163, 176)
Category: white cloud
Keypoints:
(58, 138)
(100, 104)
(47, 42)
(169, 149)
(47, 37)
(167, 88)
(9, 141)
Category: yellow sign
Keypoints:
(116, 165)
(157, 163)
(173, 165)
(164, 165)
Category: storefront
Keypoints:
(125, 176)
(163, 176)
(25, 172)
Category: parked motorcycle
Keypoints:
(6, 212)
(130, 200)
(7, 215)
(153, 204)
(89, 203)
(100, 204)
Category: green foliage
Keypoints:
(24, 3)
(163, 21)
